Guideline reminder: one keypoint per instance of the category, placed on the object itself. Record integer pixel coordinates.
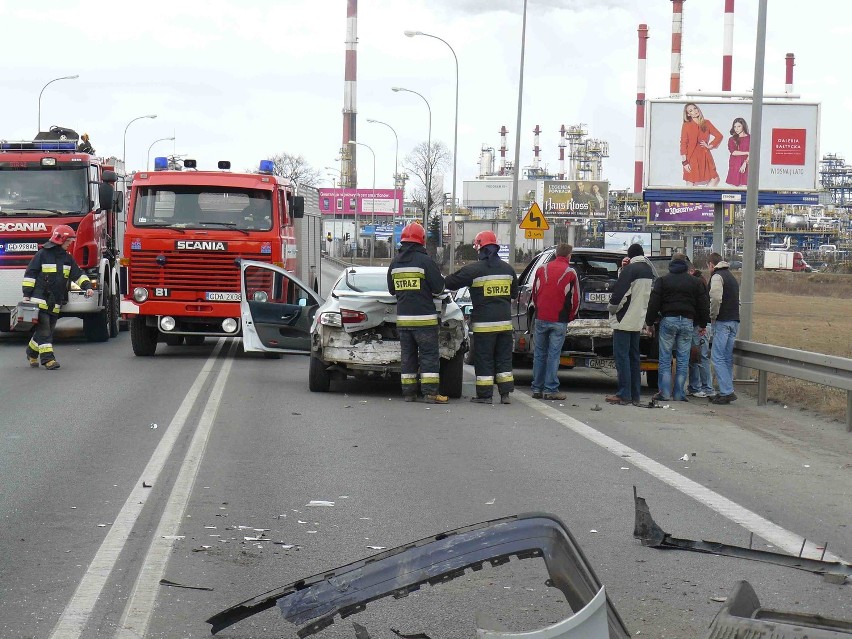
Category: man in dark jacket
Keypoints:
(46, 282)
(556, 297)
(493, 285)
(415, 280)
(725, 314)
(678, 301)
(628, 306)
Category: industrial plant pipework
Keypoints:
(536, 148)
(640, 112)
(677, 33)
(562, 153)
(791, 62)
(348, 169)
(503, 132)
(728, 46)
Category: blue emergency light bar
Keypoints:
(38, 146)
(267, 166)
(161, 164)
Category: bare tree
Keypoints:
(295, 168)
(422, 164)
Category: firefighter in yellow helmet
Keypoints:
(493, 285)
(46, 282)
(415, 279)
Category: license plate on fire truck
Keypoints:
(223, 297)
(21, 247)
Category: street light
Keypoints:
(395, 178)
(124, 151)
(148, 162)
(428, 153)
(373, 243)
(64, 77)
(411, 34)
(334, 209)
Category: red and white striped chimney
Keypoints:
(349, 173)
(677, 33)
(536, 149)
(728, 46)
(791, 62)
(503, 132)
(640, 109)
(562, 153)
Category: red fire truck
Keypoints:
(57, 179)
(187, 231)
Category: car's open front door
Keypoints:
(277, 310)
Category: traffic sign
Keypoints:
(534, 234)
(534, 220)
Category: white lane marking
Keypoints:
(78, 611)
(140, 607)
(771, 532)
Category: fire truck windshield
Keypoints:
(203, 207)
(30, 189)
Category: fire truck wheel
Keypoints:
(319, 381)
(96, 325)
(143, 338)
(114, 315)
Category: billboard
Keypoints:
(347, 202)
(705, 144)
(621, 240)
(573, 198)
(685, 213)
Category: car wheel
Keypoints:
(452, 375)
(468, 356)
(319, 380)
(143, 338)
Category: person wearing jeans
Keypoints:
(556, 297)
(725, 315)
(679, 300)
(700, 375)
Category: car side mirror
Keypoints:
(106, 193)
(297, 205)
(110, 176)
(118, 205)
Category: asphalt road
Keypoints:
(241, 447)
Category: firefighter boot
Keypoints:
(504, 399)
(33, 361)
(51, 365)
(436, 399)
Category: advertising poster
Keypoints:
(619, 241)
(573, 198)
(349, 201)
(685, 213)
(705, 144)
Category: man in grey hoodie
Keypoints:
(627, 308)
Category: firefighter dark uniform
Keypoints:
(46, 282)
(493, 284)
(415, 280)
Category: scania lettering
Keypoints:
(187, 232)
(57, 179)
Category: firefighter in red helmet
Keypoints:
(416, 280)
(493, 285)
(46, 282)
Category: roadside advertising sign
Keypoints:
(622, 240)
(348, 201)
(705, 145)
(564, 199)
(685, 213)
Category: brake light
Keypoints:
(352, 317)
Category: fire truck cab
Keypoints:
(187, 232)
(57, 179)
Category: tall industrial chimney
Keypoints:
(640, 109)
(728, 46)
(348, 169)
(503, 132)
(562, 153)
(536, 149)
(791, 62)
(677, 32)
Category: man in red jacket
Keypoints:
(556, 296)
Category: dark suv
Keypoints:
(588, 340)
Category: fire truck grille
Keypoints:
(189, 272)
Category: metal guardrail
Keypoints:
(828, 370)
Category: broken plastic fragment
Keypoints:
(684, 458)
(174, 537)
(490, 502)
(377, 547)
(153, 426)
(318, 503)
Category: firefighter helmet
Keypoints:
(484, 238)
(62, 233)
(414, 233)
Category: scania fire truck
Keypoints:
(57, 179)
(187, 231)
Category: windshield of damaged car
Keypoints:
(203, 207)
(363, 282)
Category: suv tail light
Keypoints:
(352, 317)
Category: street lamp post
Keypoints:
(64, 77)
(411, 34)
(334, 208)
(124, 149)
(395, 180)
(373, 242)
(517, 172)
(428, 153)
(148, 162)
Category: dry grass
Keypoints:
(806, 311)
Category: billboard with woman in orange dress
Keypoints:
(698, 137)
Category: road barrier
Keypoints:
(828, 370)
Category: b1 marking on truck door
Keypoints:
(162, 292)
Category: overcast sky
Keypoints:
(243, 80)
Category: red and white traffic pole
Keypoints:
(640, 109)
(728, 46)
(677, 32)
